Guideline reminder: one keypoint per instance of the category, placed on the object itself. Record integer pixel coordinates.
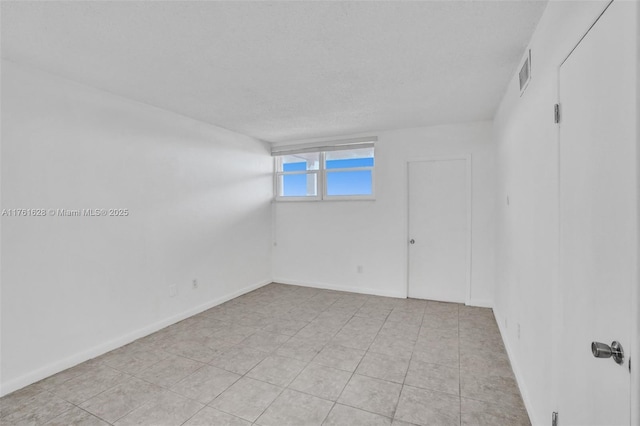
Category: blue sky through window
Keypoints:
(347, 163)
(294, 167)
(296, 185)
(349, 183)
(356, 182)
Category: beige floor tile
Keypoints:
(480, 365)
(480, 413)
(354, 339)
(168, 409)
(441, 313)
(376, 312)
(76, 416)
(365, 324)
(445, 352)
(234, 333)
(247, 398)
(211, 417)
(433, 376)
(477, 346)
(343, 309)
(57, 379)
(19, 399)
(318, 332)
(198, 349)
(482, 334)
(339, 357)
(205, 384)
(393, 347)
(426, 407)
(265, 341)
(120, 400)
(131, 359)
(405, 317)
(90, 384)
(170, 370)
(300, 314)
(286, 327)
(293, 408)
(373, 395)
(431, 320)
(239, 359)
(301, 349)
(430, 335)
(321, 381)
(383, 367)
(331, 320)
(496, 389)
(342, 415)
(397, 422)
(399, 330)
(38, 409)
(252, 319)
(277, 370)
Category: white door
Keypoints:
(597, 219)
(439, 230)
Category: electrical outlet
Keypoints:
(360, 269)
(194, 284)
(518, 331)
(173, 291)
(507, 200)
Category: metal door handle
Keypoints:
(412, 241)
(602, 350)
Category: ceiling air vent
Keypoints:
(525, 73)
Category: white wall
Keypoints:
(527, 237)
(321, 243)
(74, 287)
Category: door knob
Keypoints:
(412, 241)
(602, 350)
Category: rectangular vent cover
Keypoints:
(525, 73)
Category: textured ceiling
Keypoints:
(282, 71)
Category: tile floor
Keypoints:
(286, 355)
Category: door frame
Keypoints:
(558, 294)
(467, 157)
(635, 312)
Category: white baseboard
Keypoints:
(480, 303)
(323, 286)
(63, 364)
(517, 372)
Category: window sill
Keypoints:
(320, 200)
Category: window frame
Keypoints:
(350, 197)
(278, 174)
(321, 190)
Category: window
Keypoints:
(329, 172)
(298, 175)
(349, 173)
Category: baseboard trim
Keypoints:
(516, 371)
(63, 364)
(324, 286)
(480, 303)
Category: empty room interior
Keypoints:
(320, 213)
